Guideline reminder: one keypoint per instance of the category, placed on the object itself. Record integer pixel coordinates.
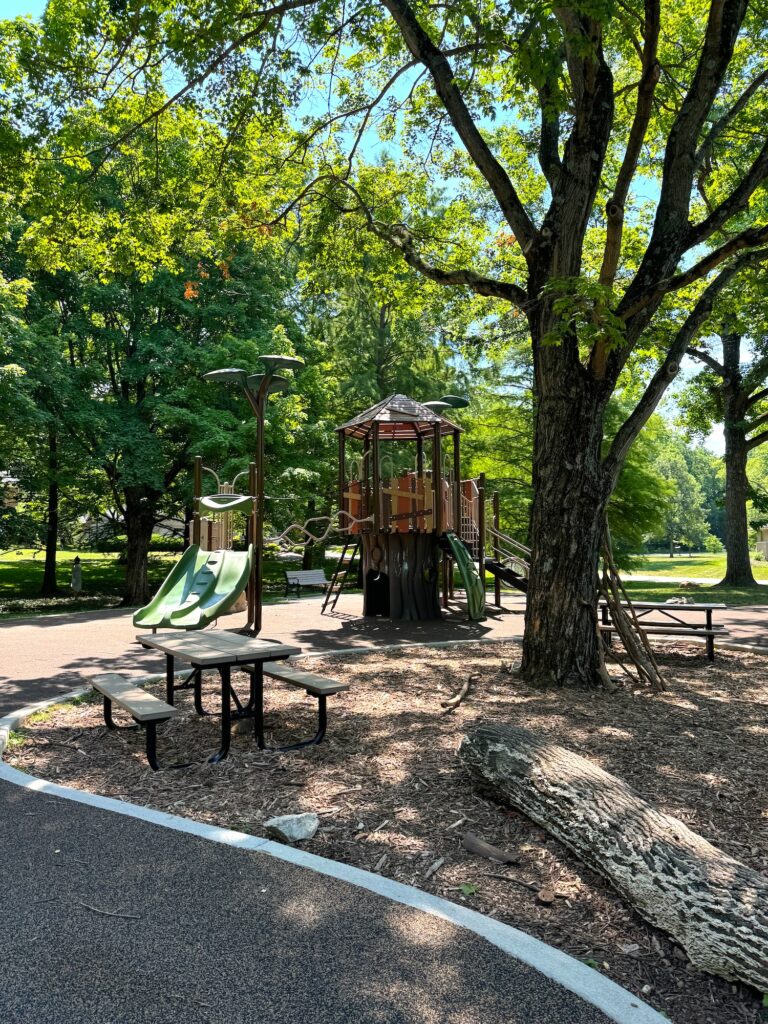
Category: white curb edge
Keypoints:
(588, 984)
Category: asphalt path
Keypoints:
(112, 920)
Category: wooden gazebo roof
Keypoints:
(399, 418)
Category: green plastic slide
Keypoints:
(473, 585)
(201, 586)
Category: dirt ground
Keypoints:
(393, 797)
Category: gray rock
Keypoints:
(292, 828)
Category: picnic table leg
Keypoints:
(169, 679)
(257, 701)
(224, 672)
(711, 647)
(150, 728)
(198, 693)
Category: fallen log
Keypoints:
(715, 907)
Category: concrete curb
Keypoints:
(588, 984)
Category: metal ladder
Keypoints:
(340, 573)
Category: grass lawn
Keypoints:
(640, 590)
(694, 566)
(21, 576)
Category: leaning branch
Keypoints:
(435, 61)
(736, 202)
(710, 361)
(668, 370)
(748, 239)
(720, 125)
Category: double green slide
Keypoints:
(473, 584)
(201, 586)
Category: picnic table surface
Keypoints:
(217, 647)
(671, 604)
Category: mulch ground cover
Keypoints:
(393, 797)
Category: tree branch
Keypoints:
(424, 50)
(668, 370)
(705, 357)
(705, 149)
(670, 226)
(745, 240)
(757, 397)
(734, 204)
(643, 110)
(755, 442)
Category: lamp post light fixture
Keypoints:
(257, 387)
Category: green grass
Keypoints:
(693, 566)
(653, 591)
(21, 577)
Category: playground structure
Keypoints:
(403, 509)
(408, 514)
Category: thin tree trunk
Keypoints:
(560, 645)
(139, 522)
(48, 588)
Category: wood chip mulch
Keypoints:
(393, 797)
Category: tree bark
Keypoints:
(738, 571)
(714, 906)
(49, 588)
(560, 645)
(140, 514)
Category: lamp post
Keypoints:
(256, 388)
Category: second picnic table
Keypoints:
(220, 650)
(671, 623)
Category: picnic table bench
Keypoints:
(669, 622)
(145, 709)
(295, 579)
(315, 686)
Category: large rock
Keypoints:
(292, 828)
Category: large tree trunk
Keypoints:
(560, 646)
(49, 588)
(738, 572)
(714, 906)
(140, 515)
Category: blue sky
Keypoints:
(13, 8)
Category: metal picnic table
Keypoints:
(670, 621)
(220, 650)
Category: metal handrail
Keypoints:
(504, 538)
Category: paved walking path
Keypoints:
(119, 915)
(113, 920)
(48, 654)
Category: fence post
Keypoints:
(481, 527)
(496, 550)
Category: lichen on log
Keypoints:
(715, 907)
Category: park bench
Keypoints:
(145, 709)
(295, 579)
(315, 686)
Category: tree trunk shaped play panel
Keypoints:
(401, 573)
